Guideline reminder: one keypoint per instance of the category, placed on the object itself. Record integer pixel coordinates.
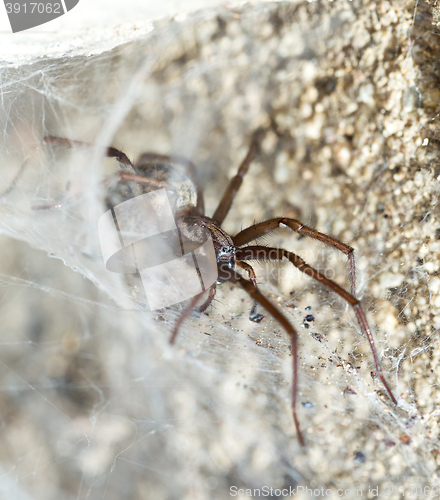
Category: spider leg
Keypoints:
(60, 141)
(235, 183)
(253, 315)
(285, 323)
(125, 164)
(253, 232)
(267, 253)
(118, 176)
(19, 173)
(128, 173)
(207, 303)
(183, 316)
(140, 179)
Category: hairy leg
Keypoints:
(253, 232)
(235, 183)
(284, 322)
(267, 253)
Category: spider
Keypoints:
(153, 171)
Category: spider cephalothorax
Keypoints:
(194, 228)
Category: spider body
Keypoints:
(184, 196)
(177, 175)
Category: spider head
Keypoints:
(194, 228)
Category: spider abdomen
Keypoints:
(174, 174)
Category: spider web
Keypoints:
(95, 403)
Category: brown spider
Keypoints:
(154, 171)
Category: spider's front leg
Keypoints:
(253, 232)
